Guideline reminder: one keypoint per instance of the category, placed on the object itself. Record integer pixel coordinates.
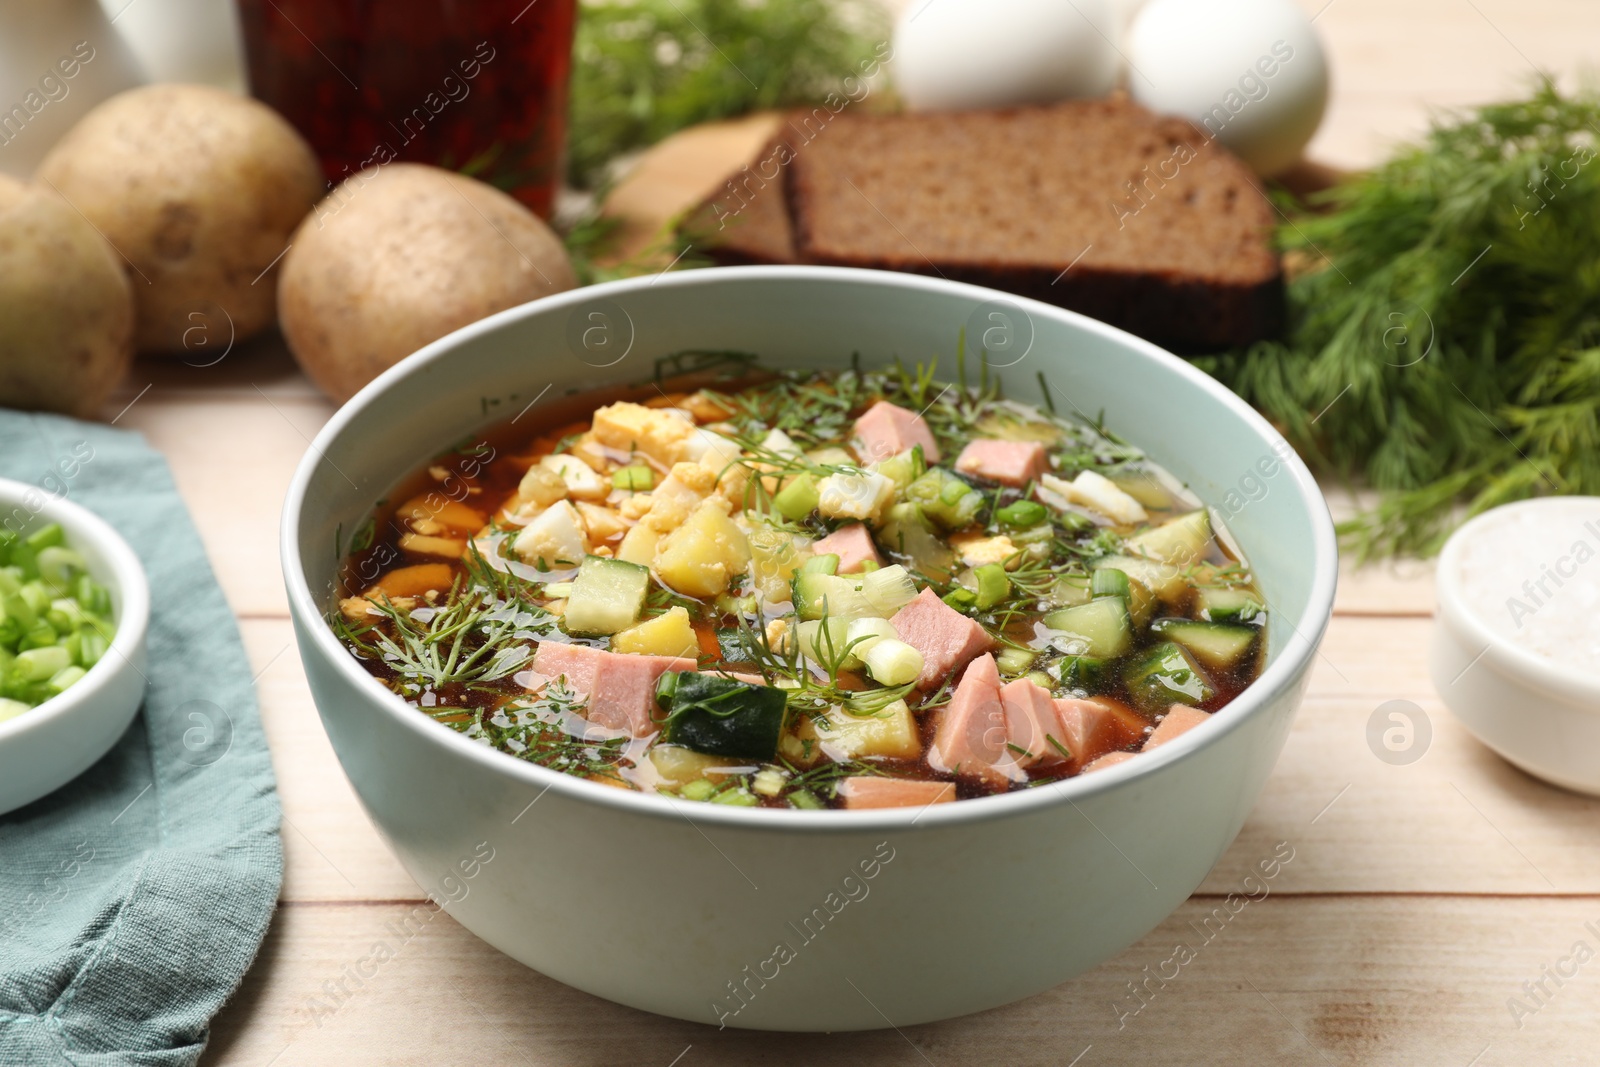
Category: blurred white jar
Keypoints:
(58, 59)
(194, 41)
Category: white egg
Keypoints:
(1250, 73)
(961, 54)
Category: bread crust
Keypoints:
(1138, 220)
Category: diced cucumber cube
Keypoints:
(1221, 646)
(827, 563)
(1100, 628)
(1221, 604)
(607, 596)
(797, 499)
(721, 716)
(1181, 542)
(1164, 675)
(1163, 579)
(1108, 581)
(1085, 672)
(908, 535)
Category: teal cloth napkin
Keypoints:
(133, 899)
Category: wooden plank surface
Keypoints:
(1420, 900)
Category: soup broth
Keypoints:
(803, 590)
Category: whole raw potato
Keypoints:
(66, 314)
(200, 190)
(400, 255)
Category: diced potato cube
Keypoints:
(540, 488)
(639, 545)
(679, 765)
(602, 523)
(555, 538)
(678, 494)
(891, 733)
(632, 427)
(701, 557)
(671, 634)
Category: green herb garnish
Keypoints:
(1445, 345)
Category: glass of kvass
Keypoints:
(478, 87)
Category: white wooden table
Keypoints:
(1419, 900)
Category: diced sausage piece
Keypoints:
(1092, 728)
(624, 693)
(1110, 760)
(576, 663)
(1179, 720)
(620, 688)
(852, 544)
(1031, 724)
(970, 738)
(887, 429)
(947, 639)
(1014, 463)
(870, 791)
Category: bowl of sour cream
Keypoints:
(1516, 645)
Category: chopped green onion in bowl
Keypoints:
(55, 620)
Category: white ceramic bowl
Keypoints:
(1540, 715)
(680, 908)
(45, 748)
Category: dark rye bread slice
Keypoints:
(746, 221)
(1098, 206)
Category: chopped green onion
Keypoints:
(1022, 514)
(890, 661)
(699, 789)
(638, 479)
(993, 585)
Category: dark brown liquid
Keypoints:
(477, 86)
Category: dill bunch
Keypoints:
(1445, 345)
(642, 69)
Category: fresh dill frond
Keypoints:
(1444, 347)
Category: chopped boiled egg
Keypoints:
(555, 538)
(858, 494)
(1098, 493)
(579, 478)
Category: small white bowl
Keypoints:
(43, 749)
(1539, 714)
